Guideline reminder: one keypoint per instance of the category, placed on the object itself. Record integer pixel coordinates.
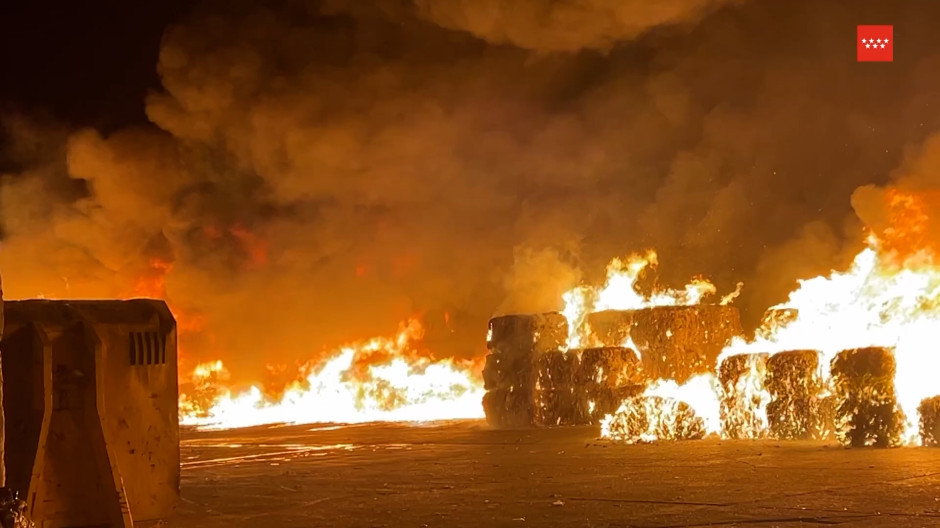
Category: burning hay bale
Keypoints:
(606, 376)
(611, 328)
(528, 334)
(867, 412)
(504, 371)
(651, 418)
(677, 342)
(602, 401)
(557, 398)
(796, 409)
(609, 367)
(561, 407)
(743, 396)
(511, 373)
(929, 411)
(557, 370)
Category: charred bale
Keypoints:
(559, 402)
(743, 396)
(561, 407)
(527, 334)
(651, 418)
(603, 401)
(677, 342)
(510, 408)
(505, 371)
(557, 370)
(867, 412)
(605, 377)
(609, 367)
(795, 384)
(511, 373)
(929, 411)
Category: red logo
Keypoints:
(875, 43)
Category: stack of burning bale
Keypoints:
(531, 379)
(518, 344)
(858, 405)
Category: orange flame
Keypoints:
(382, 379)
(889, 297)
(152, 282)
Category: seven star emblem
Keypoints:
(877, 44)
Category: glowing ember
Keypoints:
(700, 393)
(667, 410)
(379, 380)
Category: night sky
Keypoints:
(292, 175)
(85, 63)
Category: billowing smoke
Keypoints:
(549, 25)
(317, 172)
(906, 211)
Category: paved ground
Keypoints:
(463, 474)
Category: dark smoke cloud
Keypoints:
(548, 25)
(317, 172)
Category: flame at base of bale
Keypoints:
(653, 418)
(667, 411)
(929, 410)
(867, 412)
(798, 408)
(744, 397)
(606, 377)
(605, 401)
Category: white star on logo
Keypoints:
(886, 41)
(863, 41)
(867, 45)
(879, 41)
(882, 46)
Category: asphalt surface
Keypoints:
(465, 474)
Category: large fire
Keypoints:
(382, 379)
(888, 297)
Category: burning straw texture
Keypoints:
(796, 409)
(867, 413)
(743, 395)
